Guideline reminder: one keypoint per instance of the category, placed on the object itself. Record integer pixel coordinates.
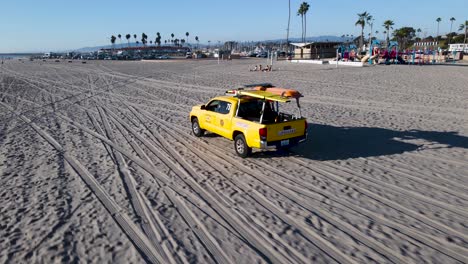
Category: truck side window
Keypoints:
(219, 107)
(223, 107)
(213, 105)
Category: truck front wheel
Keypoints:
(197, 131)
(241, 147)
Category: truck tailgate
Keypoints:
(286, 130)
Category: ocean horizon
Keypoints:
(16, 55)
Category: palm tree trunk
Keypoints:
(305, 27)
(302, 33)
(289, 21)
(464, 41)
(362, 37)
(451, 24)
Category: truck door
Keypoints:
(224, 113)
(209, 116)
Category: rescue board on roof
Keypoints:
(280, 91)
(264, 95)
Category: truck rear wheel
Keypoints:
(197, 131)
(241, 147)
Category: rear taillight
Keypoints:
(263, 133)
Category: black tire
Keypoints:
(241, 147)
(197, 131)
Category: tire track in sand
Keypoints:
(413, 234)
(262, 200)
(134, 234)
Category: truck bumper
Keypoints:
(278, 144)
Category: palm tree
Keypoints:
(135, 37)
(172, 36)
(144, 37)
(363, 18)
(128, 36)
(303, 8)
(451, 25)
(300, 12)
(112, 39)
(120, 39)
(187, 34)
(158, 39)
(438, 23)
(464, 27)
(385, 33)
(388, 25)
(182, 41)
(419, 32)
(196, 39)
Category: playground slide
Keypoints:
(365, 58)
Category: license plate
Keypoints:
(285, 142)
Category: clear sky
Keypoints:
(50, 25)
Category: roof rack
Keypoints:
(266, 85)
(259, 94)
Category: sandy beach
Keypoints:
(98, 165)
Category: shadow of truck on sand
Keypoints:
(327, 142)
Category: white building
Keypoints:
(458, 47)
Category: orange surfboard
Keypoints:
(280, 91)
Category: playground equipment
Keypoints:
(392, 54)
(424, 56)
(374, 50)
(348, 52)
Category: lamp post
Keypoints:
(370, 42)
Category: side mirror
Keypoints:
(203, 107)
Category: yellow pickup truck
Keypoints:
(252, 118)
